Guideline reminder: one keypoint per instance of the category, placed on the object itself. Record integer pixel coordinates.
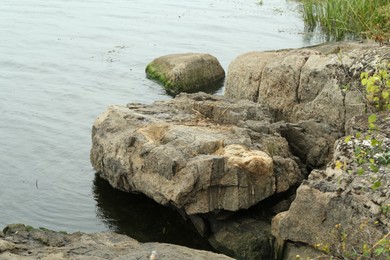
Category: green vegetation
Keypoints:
(340, 19)
(340, 249)
(369, 151)
(153, 72)
(377, 88)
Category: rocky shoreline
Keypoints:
(263, 172)
(218, 158)
(18, 241)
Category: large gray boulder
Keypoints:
(314, 90)
(19, 242)
(305, 84)
(197, 152)
(188, 72)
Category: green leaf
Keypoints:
(382, 160)
(347, 139)
(376, 185)
(372, 118)
(375, 142)
(374, 168)
(357, 150)
(358, 134)
(360, 171)
(385, 94)
(379, 251)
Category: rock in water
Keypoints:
(187, 72)
(197, 152)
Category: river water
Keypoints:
(62, 62)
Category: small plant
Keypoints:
(370, 153)
(368, 249)
(377, 88)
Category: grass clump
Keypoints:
(340, 19)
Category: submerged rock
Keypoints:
(198, 152)
(187, 72)
(24, 242)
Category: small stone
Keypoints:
(6, 246)
(153, 256)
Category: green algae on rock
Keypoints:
(188, 72)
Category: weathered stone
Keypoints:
(294, 251)
(187, 72)
(243, 83)
(248, 239)
(280, 81)
(311, 141)
(22, 242)
(336, 211)
(305, 84)
(196, 152)
(205, 153)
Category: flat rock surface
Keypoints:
(24, 242)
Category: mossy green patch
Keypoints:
(154, 72)
(29, 228)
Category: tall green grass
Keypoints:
(339, 19)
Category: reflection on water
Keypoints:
(143, 219)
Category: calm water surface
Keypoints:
(63, 61)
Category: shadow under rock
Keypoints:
(143, 219)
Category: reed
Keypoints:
(340, 19)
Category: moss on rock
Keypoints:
(187, 72)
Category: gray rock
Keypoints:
(23, 242)
(311, 141)
(245, 238)
(197, 152)
(216, 155)
(305, 84)
(187, 72)
(243, 83)
(294, 251)
(335, 210)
